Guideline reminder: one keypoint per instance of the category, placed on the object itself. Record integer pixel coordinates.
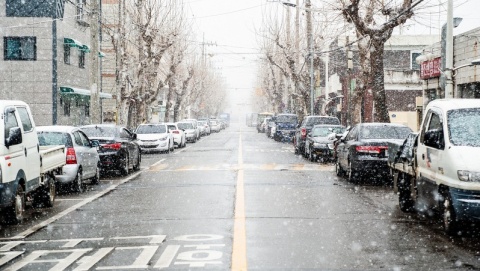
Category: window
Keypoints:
(415, 65)
(20, 48)
(124, 133)
(66, 108)
(81, 4)
(81, 60)
(10, 120)
(78, 139)
(25, 118)
(85, 140)
(66, 53)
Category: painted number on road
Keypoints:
(197, 250)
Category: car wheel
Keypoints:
(96, 178)
(450, 223)
(405, 200)
(78, 185)
(136, 167)
(125, 166)
(351, 173)
(15, 213)
(338, 169)
(46, 196)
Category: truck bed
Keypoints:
(51, 158)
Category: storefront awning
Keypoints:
(85, 48)
(84, 92)
(72, 42)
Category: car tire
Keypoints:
(136, 167)
(125, 166)
(338, 169)
(405, 201)
(351, 174)
(16, 212)
(96, 178)
(449, 219)
(46, 195)
(77, 184)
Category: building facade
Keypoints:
(46, 47)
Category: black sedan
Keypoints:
(319, 142)
(118, 147)
(365, 149)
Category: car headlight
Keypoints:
(163, 138)
(319, 145)
(468, 176)
(330, 146)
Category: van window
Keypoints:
(10, 120)
(25, 118)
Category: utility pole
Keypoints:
(449, 52)
(308, 7)
(94, 67)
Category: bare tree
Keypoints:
(374, 22)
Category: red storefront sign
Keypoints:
(430, 68)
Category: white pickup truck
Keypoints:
(27, 171)
(438, 170)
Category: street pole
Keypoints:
(94, 70)
(449, 52)
(308, 7)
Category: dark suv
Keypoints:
(285, 127)
(306, 126)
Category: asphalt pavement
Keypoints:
(235, 200)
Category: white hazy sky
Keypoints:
(229, 28)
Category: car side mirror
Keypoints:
(309, 134)
(134, 136)
(298, 126)
(94, 143)
(434, 139)
(14, 137)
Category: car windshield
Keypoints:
(286, 118)
(384, 132)
(53, 138)
(151, 129)
(185, 125)
(172, 127)
(326, 131)
(464, 127)
(100, 131)
(202, 122)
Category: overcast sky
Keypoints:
(229, 30)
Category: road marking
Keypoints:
(239, 253)
(167, 257)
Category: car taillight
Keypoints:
(113, 146)
(71, 156)
(303, 132)
(176, 132)
(371, 149)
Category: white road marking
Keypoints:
(141, 262)
(61, 263)
(88, 262)
(156, 239)
(167, 257)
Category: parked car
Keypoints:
(215, 125)
(178, 135)
(195, 126)
(285, 127)
(154, 137)
(365, 149)
(118, 147)
(261, 121)
(269, 126)
(306, 126)
(82, 161)
(206, 127)
(264, 125)
(189, 130)
(319, 142)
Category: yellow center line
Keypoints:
(239, 253)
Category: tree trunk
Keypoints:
(378, 87)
